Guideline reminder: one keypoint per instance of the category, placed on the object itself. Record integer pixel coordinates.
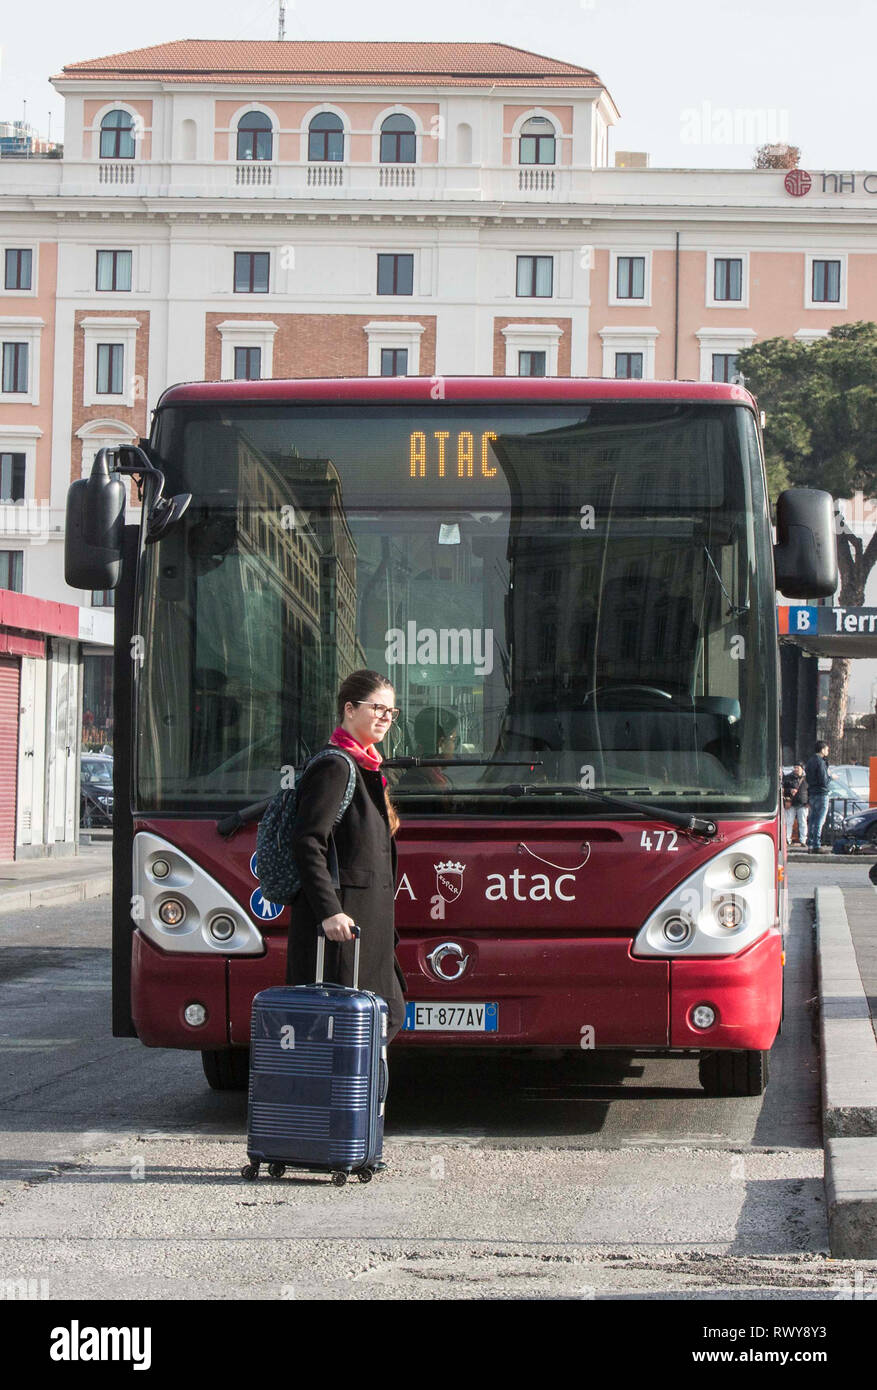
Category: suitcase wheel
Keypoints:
(365, 1175)
(339, 1179)
(250, 1171)
(277, 1169)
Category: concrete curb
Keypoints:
(851, 1197)
(50, 894)
(849, 1085)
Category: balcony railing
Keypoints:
(325, 175)
(398, 175)
(113, 172)
(257, 175)
(536, 180)
(530, 187)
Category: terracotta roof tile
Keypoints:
(298, 63)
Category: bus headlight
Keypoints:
(677, 930)
(729, 913)
(180, 907)
(172, 912)
(221, 928)
(726, 903)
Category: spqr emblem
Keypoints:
(449, 880)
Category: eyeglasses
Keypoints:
(381, 710)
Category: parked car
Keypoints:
(95, 790)
(860, 829)
(858, 777)
(844, 801)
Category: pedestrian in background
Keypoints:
(818, 777)
(795, 803)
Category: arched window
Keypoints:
(255, 139)
(117, 135)
(326, 137)
(464, 143)
(398, 141)
(537, 141)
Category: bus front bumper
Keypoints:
(568, 992)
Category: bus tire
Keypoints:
(227, 1069)
(734, 1073)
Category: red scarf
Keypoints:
(368, 758)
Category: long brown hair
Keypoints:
(358, 687)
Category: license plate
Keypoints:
(451, 1018)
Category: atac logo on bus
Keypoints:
(262, 910)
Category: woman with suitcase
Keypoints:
(365, 850)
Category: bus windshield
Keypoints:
(565, 597)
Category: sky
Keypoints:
(699, 83)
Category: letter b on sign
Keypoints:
(803, 621)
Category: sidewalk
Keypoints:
(28, 883)
(846, 948)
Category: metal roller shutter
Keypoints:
(9, 699)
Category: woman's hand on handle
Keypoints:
(339, 927)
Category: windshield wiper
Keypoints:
(406, 761)
(698, 825)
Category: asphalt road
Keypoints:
(591, 1177)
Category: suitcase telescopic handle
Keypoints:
(321, 955)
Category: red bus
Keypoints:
(571, 586)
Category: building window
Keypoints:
(12, 468)
(727, 278)
(537, 145)
(535, 277)
(395, 274)
(15, 368)
(11, 567)
(255, 136)
(18, 269)
(631, 277)
(398, 141)
(394, 361)
(110, 362)
(251, 270)
(113, 270)
(826, 282)
(724, 366)
(532, 363)
(326, 137)
(117, 135)
(629, 366)
(248, 364)
(103, 598)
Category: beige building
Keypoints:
(331, 209)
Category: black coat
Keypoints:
(367, 872)
(795, 789)
(817, 773)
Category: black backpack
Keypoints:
(276, 869)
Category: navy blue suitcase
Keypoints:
(318, 1078)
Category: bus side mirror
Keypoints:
(94, 528)
(805, 554)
